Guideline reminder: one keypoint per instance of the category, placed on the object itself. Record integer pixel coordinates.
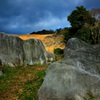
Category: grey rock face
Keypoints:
(14, 51)
(1, 73)
(76, 77)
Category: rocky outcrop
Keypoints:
(76, 77)
(14, 51)
(1, 73)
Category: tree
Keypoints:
(83, 26)
(79, 17)
(95, 12)
(58, 31)
(95, 33)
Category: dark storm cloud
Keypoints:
(24, 16)
(89, 4)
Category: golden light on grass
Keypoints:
(49, 43)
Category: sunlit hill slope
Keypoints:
(50, 41)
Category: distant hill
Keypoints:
(50, 41)
(43, 32)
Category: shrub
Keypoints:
(58, 51)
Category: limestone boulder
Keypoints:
(76, 77)
(15, 52)
(1, 73)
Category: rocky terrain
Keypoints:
(76, 77)
(50, 41)
(16, 52)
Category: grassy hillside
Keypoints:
(50, 41)
(21, 83)
(36, 36)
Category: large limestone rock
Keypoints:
(14, 51)
(1, 73)
(76, 77)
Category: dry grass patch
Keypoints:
(21, 83)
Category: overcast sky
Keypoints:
(25, 16)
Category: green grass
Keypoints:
(21, 83)
(90, 96)
(5, 78)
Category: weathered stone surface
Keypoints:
(14, 51)
(1, 73)
(76, 77)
